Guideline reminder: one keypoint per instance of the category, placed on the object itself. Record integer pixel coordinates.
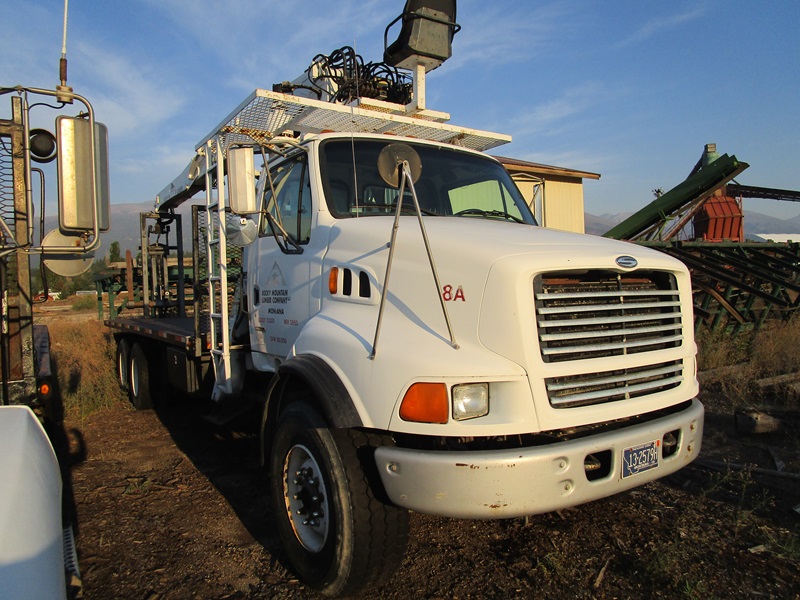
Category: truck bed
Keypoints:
(175, 331)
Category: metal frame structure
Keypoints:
(17, 363)
(739, 287)
(265, 115)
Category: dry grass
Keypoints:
(84, 354)
(734, 363)
(84, 303)
(775, 349)
(717, 349)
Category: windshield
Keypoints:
(452, 183)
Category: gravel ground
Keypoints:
(170, 506)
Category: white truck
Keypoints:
(416, 340)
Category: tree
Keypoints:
(114, 253)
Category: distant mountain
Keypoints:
(754, 223)
(125, 225)
(599, 224)
(758, 223)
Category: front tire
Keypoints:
(338, 536)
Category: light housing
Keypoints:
(425, 403)
(470, 401)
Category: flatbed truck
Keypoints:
(415, 340)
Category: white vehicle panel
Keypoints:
(31, 536)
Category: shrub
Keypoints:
(86, 302)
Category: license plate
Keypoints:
(641, 458)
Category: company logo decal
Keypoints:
(626, 262)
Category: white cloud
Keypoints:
(550, 115)
(658, 25)
(29, 54)
(131, 98)
(139, 177)
(501, 34)
(171, 159)
(256, 39)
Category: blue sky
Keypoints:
(629, 89)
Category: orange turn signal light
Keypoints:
(333, 281)
(425, 403)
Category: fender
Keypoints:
(308, 373)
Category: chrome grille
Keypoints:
(601, 313)
(610, 386)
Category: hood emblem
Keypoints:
(626, 262)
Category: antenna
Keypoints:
(64, 92)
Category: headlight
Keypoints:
(470, 400)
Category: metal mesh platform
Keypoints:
(265, 114)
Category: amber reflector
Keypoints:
(333, 280)
(425, 403)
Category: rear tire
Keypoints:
(139, 384)
(123, 363)
(338, 536)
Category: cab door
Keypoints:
(280, 268)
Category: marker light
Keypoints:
(333, 281)
(470, 400)
(44, 390)
(425, 403)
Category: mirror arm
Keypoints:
(288, 241)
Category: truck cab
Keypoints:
(569, 357)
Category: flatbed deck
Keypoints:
(176, 331)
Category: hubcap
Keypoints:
(306, 498)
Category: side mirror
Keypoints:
(82, 177)
(241, 180)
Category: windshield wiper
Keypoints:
(410, 208)
(488, 213)
(391, 207)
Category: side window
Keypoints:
(291, 203)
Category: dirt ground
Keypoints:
(169, 506)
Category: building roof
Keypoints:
(524, 166)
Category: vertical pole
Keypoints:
(418, 104)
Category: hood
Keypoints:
(484, 241)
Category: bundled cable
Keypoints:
(345, 72)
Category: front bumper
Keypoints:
(517, 482)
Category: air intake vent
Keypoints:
(601, 313)
(352, 285)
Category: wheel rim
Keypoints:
(134, 375)
(122, 366)
(306, 498)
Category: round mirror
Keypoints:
(240, 231)
(392, 156)
(66, 264)
(43, 145)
